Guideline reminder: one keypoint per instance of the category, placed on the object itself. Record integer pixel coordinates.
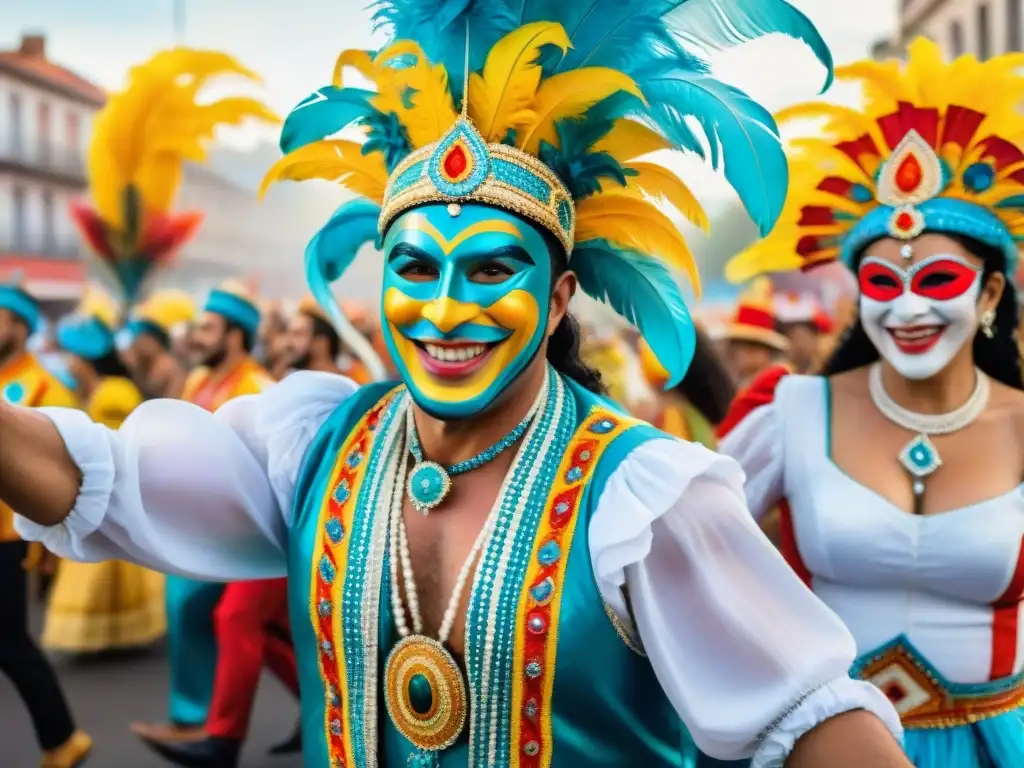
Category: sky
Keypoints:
(293, 44)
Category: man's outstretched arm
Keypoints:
(38, 477)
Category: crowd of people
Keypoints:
(794, 538)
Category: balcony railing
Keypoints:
(40, 247)
(43, 156)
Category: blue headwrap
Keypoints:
(16, 300)
(86, 336)
(235, 309)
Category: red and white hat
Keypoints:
(754, 319)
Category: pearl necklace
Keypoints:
(425, 692)
(920, 457)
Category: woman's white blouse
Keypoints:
(951, 583)
(748, 656)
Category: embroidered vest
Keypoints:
(554, 678)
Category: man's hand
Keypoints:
(853, 740)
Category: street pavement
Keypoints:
(107, 694)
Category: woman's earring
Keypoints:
(988, 322)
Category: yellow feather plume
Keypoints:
(638, 225)
(333, 160)
(432, 113)
(144, 133)
(361, 61)
(660, 183)
(628, 140)
(501, 98)
(569, 94)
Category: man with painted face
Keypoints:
(459, 542)
(901, 464)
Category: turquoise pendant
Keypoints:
(424, 760)
(920, 458)
(428, 486)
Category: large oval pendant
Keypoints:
(425, 693)
(428, 486)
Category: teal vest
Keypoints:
(577, 693)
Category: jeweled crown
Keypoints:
(461, 167)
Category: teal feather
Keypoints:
(572, 161)
(324, 113)
(642, 290)
(754, 160)
(388, 136)
(441, 26)
(719, 24)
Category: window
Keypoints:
(956, 38)
(43, 132)
(1014, 26)
(984, 36)
(49, 223)
(18, 213)
(14, 113)
(74, 133)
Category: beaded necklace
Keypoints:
(424, 689)
(429, 482)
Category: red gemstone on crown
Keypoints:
(455, 162)
(904, 222)
(909, 174)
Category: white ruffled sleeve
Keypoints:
(756, 443)
(748, 656)
(181, 490)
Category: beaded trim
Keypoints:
(924, 699)
(330, 560)
(494, 605)
(623, 632)
(540, 602)
(515, 181)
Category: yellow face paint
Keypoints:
(464, 304)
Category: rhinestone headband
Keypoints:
(462, 168)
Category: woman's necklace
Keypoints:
(429, 482)
(424, 689)
(920, 457)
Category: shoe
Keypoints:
(70, 754)
(290, 746)
(170, 733)
(211, 752)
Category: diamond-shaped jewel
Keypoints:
(342, 492)
(920, 457)
(335, 530)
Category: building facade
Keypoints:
(46, 115)
(984, 28)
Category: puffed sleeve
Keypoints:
(182, 490)
(756, 444)
(748, 656)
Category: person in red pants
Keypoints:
(251, 622)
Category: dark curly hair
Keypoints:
(998, 357)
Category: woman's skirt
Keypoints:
(96, 607)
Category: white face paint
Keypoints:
(919, 318)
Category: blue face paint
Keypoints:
(465, 304)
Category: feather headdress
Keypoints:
(935, 147)
(140, 141)
(559, 101)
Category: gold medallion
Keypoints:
(425, 693)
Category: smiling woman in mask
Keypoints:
(901, 465)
